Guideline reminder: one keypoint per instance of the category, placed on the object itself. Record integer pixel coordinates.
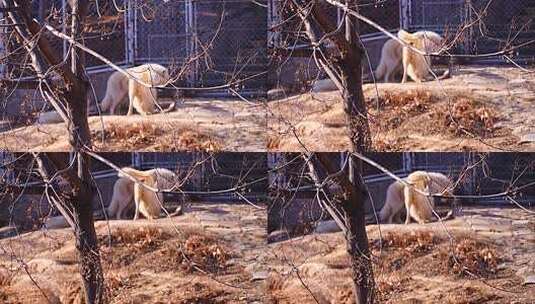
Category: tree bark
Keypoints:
(345, 70)
(80, 138)
(354, 194)
(70, 101)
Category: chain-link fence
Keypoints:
(221, 41)
(504, 24)
(104, 31)
(485, 26)
(162, 32)
(227, 39)
(212, 173)
(287, 29)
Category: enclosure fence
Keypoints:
(229, 36)
(221, 41)
(478, 26)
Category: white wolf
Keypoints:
(148, 202)
(123, 194)
(417, 206)
(142, 98)
(395, 58)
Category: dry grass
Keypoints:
(143, 134)
(5, 282)
(396, 251)
(471, 259)
(464, 114)
(467, 116)
(467, 256)
(188, 253)
(392, 109)
(197, 253)
(414, 242)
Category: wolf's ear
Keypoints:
(406, 36)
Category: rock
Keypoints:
(276, 93)
(527, 138)
(55, 222)
(323, 85)
(327, 227)
(49, 117)
(8, 231)
(260, 276)
(278, 236)
(529, 280)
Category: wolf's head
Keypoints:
(420, 180)
(159, 74)
(423, 40)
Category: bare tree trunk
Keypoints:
(346, 69)
(70, 101)
(352, 208)
(80, 138)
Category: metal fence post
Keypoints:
(191, 38)
(404, 13)
(274, 18)
(129, 33)
(64, 26)
(407, 161)
(3, 34)
(136, 159)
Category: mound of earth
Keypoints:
(483, 256)
(198, 124)
(208, 255)
(479, 109)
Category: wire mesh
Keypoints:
(493, 25)
(104, 31)
(161, 32)
(504, 24)
(235, 32)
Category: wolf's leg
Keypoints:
(405, 61)
(120, 211)
(137, 198)
(131, 96)
(408, 200)
(397, 218)
(387, 76)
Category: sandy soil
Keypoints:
(414, 264)
(144, 263)
(195, 125)
(418, 117)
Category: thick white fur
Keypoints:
(415, 65)
(142, 98)
(116, 92)
(391, 62)
(123, 194)
(149, 202)
(391, 211)
(419, 205)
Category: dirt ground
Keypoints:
(478, 109)
(198, 124)
(146, 261)
(414, 263)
